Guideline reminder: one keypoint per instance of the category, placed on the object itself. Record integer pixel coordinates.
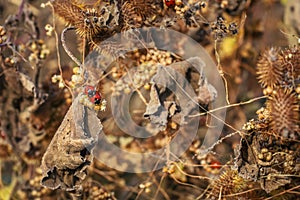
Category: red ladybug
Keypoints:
(170, 3)
(2, 135)
(93, 94)
(215, 164)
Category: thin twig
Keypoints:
(221, 72)
(285, 191)
(57, 51)
(230, 106)
(190, 175)
(67, 50)
(163, 192)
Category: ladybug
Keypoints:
(2, 135)
(93, 94)
(215, 164)
(170, 3)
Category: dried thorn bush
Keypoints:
(54, 113)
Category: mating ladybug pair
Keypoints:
(93, 94)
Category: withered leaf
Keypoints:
(245, 161)
(155, 111)
(206, 92)
(174, 77)
(273, 180)
(267, 173)
(171, 107)
(65, 162)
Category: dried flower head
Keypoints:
(269, 68)
(89, 22)
(284, 113)
(71, 12)
(227, 184)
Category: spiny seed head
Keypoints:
(85, 20)
(228, 183)
(269, 68)
(284, 112)
(70, 11)
(89, 27)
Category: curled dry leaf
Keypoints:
(206, 92)
(174, 77)
(155, 111)
(66, 160)
(262, 158)
(246, 161)
(274, 179)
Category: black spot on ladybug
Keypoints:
(97, 101)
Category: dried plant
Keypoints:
(284, 113)
(89, 22)
(270, 68)
(271, 141)
(47, 150)
(228, 186)
(291, 63)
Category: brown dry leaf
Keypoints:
(246, 161)
(65, 162)
(23, 131)
(273, 181)
(171, 107)
(155, 111)
(206, 92)
(252, 164)
(174, 77)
